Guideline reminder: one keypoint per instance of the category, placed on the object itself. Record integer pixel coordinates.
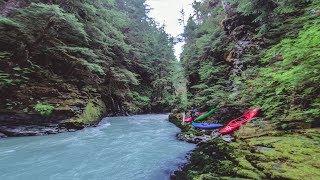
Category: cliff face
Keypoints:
(20, 115)
(72, 61)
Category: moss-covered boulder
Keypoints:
(177, 119)
(91, 115)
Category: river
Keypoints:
(120, 148)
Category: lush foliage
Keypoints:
(44, 109)
(203, 56)
(110, 47)
(289, 87)
(92, 112)
(256, 53)
(253, 53)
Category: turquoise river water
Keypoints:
(120, 148)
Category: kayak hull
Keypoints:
(205, 115)
(188, 120)
(207, 126)
(235, 124)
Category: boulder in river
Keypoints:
(2, 135)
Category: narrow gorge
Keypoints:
(100, 84)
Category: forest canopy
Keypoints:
(106, 47)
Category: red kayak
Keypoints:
(189, 119)
(235, 124)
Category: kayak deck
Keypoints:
(235, 124)
(206, 126)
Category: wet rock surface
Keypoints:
(2, 135)
(70, 125)
(15, 125)
(193, 139)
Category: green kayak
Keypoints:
(206, 115)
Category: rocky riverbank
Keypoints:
(14, 124)
(258, 151)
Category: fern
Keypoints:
(293, 78)
(44, 109)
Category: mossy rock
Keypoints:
(289, 156)
(92, 113)
(176, 118)
(72, 125)
(208, 176)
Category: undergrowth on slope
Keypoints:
(44, 109)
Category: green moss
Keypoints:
(92, 112)
(289, 156)
(287, 87)
(249, 174)
(282, 80)
(205, 177)
(292, 156)
(244, 163)
(44, 109)
(176, 119)
(226, 167)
